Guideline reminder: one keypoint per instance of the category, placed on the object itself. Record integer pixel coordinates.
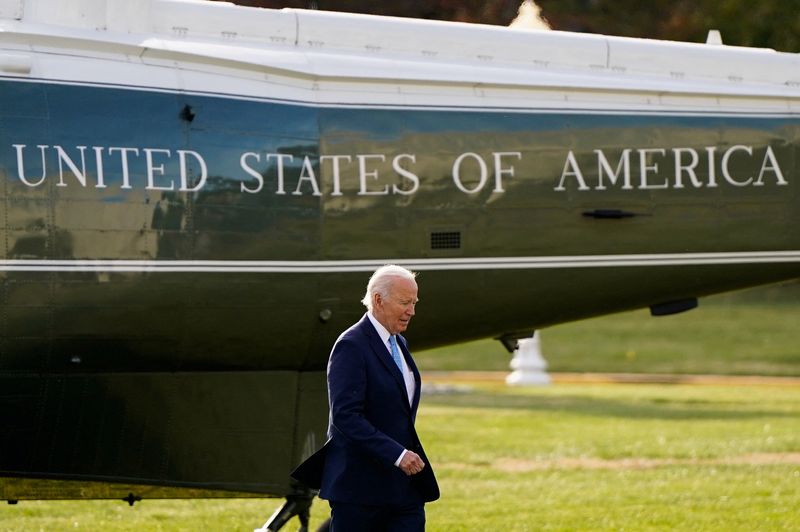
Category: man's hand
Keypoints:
(411, 464)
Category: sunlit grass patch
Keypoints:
(563, 457)
(615, 457)
(666, 498)
(747, 333)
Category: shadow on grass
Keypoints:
(653, 408)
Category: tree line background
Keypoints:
(762, 23)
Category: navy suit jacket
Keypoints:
(370, 424)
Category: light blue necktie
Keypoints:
(395, 353)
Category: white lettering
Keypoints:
(499, 170)
(726, 171)
(98, 161)
(126, 181)
(337, 185)
(571, 169)
(21, 164)
(712, 166)
(363, 174)
(63, 157)
(258, 177)
(623, 166)
(457, 173)
(185, 172)
(153, 169)
(280, 156)
(402, 172)
(307, 174)
(680, 168)
(470, 173)
(644, 168)
(770, 163)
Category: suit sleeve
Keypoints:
(347, 387)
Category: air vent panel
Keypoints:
(446, 240)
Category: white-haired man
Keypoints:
(372, 469)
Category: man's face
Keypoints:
(395, 311)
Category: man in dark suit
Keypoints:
(372, 469)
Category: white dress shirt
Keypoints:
(408, 376)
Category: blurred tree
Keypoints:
(766, 23)
(477, 11)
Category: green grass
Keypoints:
(616, 458)
(754, 332)
(578, 457)
(563, 457)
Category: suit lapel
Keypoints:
(385, 357)
(413, 367)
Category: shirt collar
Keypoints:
(382, 332)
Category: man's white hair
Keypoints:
(381, 281)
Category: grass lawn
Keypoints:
(563, 457)
(577, 456)
(635, 457)
(754, 332)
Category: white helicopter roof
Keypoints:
(316, 45)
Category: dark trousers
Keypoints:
(346, 517)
